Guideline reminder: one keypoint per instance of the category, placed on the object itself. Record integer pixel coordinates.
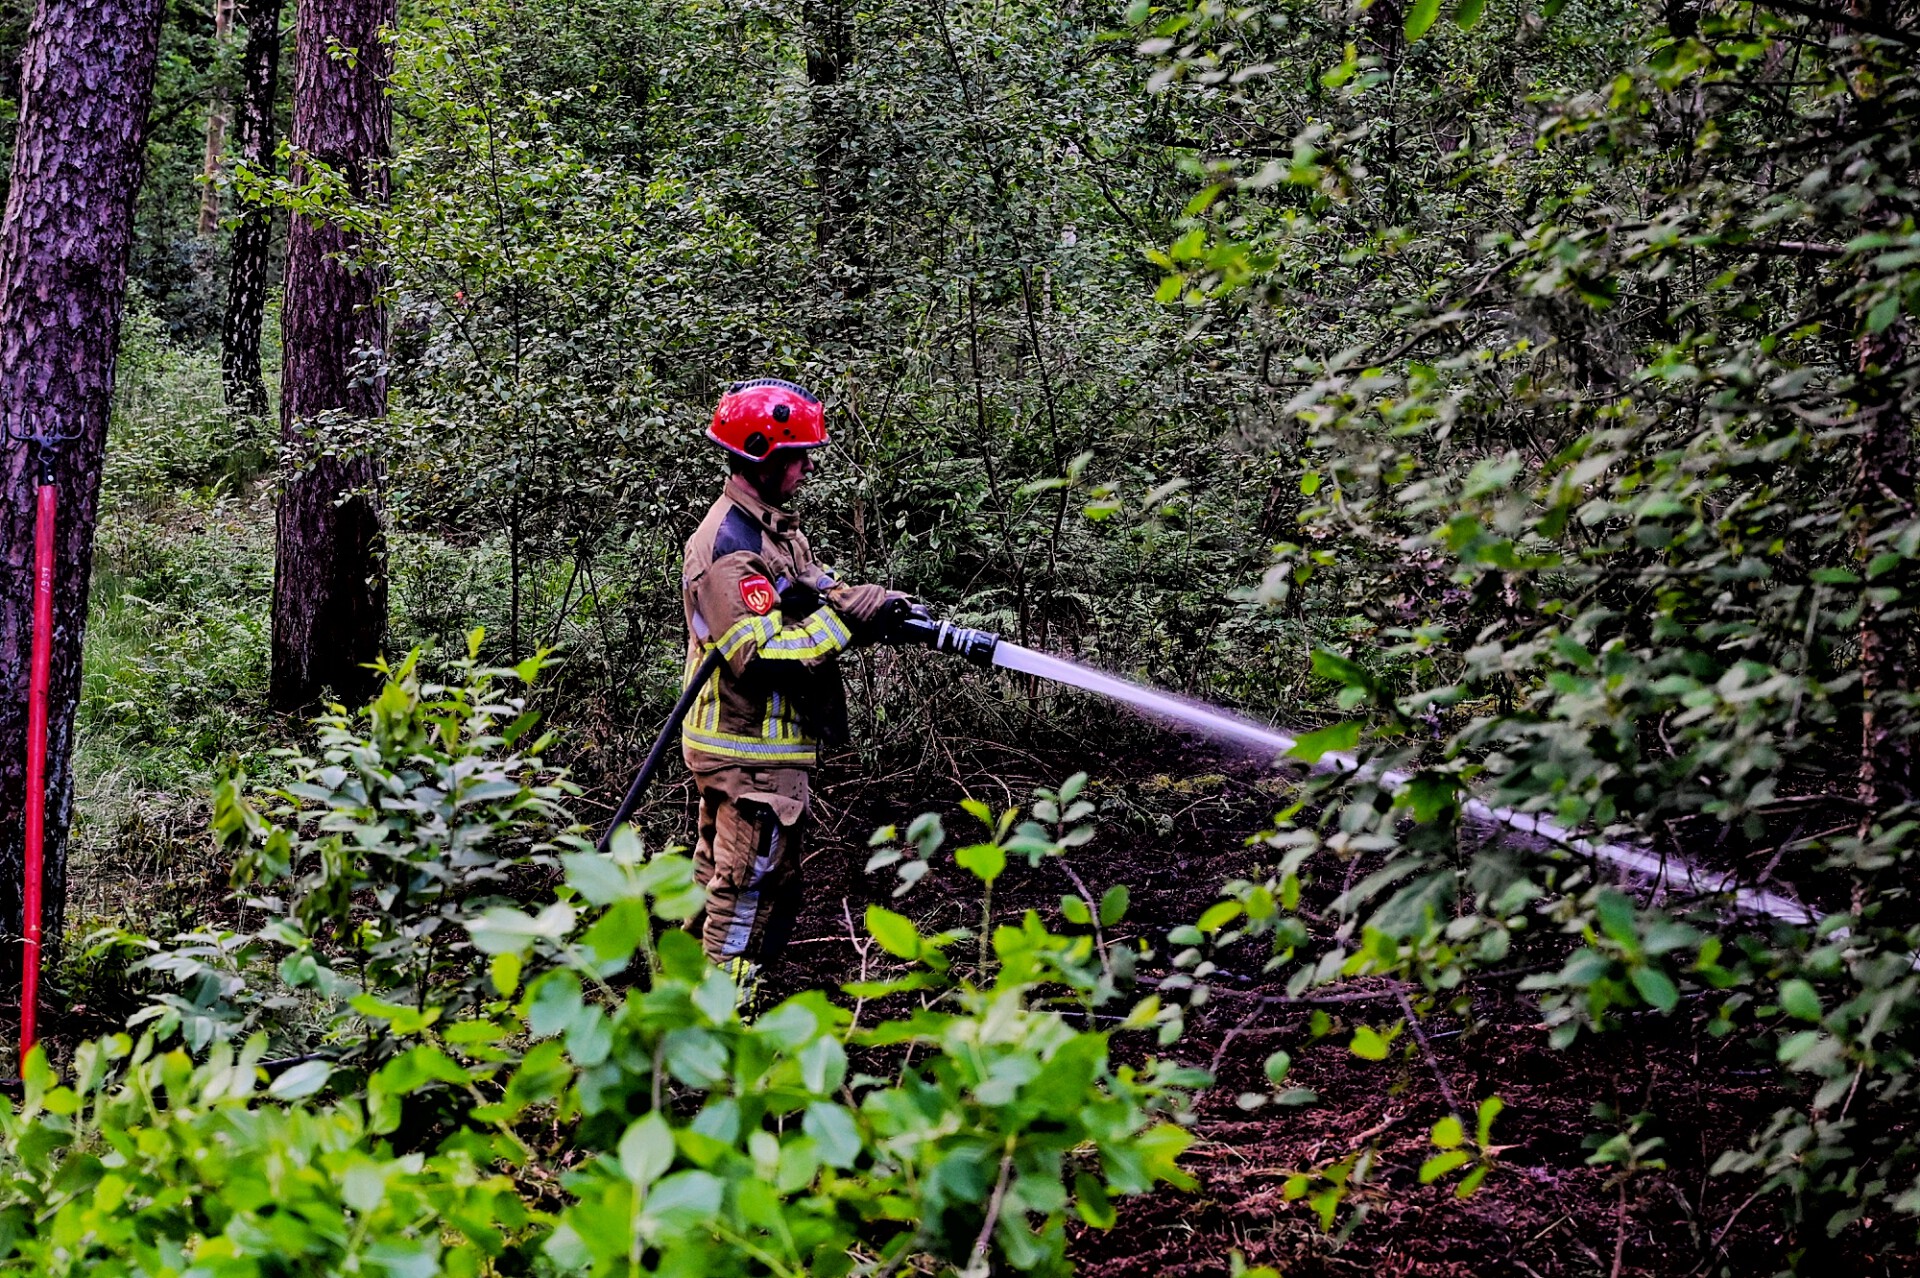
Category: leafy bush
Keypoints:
(1623, 555)
(485, 1097)
(407, 825)
(171, 430)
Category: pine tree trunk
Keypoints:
(219, 114)
(246, 388)
(329, 586)
(86, 80)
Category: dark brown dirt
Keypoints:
(1173, 826)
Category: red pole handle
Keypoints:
(39, 677)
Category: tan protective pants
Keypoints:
(752, 838)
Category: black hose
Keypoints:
(642, 778)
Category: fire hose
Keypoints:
(1662, 871)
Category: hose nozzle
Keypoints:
(943, 636)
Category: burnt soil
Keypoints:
(1173, 825)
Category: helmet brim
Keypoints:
(786, 446)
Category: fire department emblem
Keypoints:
(758, 594)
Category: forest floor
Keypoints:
(1174, 826)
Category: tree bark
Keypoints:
(1884, 484)
(219, 114)
(841, 263)
(1884, 487)
(245, 387)
(329, 586)
(86, 84)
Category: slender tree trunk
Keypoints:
(86, 80)
(246, 388)
(840, 261)
(329, 586)
(1885, 490)
(219, 112)
(1884, 486)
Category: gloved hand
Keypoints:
(870, 610)
(897, 615)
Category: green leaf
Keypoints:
(504, 970)
(501, 930)
(1440, 1164)
(599, 879)
(1656, 987)
(1218, 915)
(1489, 1110)
(1798, 1000)
(1074, 910)
(646, 1150)
(984, 860)
(1331, 665)
(1467, 15)
(1431, 795)
(1884, 313)
(1313, 746)
(1091, 1202)
(1368, 1045)
(1448, 1133)
(1113, 905)
(301, 1081)
(1420, 17)
(895, 932)
(400, 1019)
(1310, 483)
(1334, 77)
(1616, 915)
(823, 1065)
(1277, 1066)
(833, 1128)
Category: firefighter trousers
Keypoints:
(749, 863)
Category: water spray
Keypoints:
(1665, 873)
(987, 649)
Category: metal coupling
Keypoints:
(943, 636)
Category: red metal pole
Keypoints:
(39, 676)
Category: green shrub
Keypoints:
(565, 1089)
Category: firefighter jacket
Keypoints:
(752, 589)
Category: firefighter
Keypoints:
(752, 588)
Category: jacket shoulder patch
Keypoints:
(757, 593)
(737, 532)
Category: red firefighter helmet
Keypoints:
(758, 418)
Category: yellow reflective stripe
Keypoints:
(731, 746)
(823, 633)
(749, 629)
(706, 703)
